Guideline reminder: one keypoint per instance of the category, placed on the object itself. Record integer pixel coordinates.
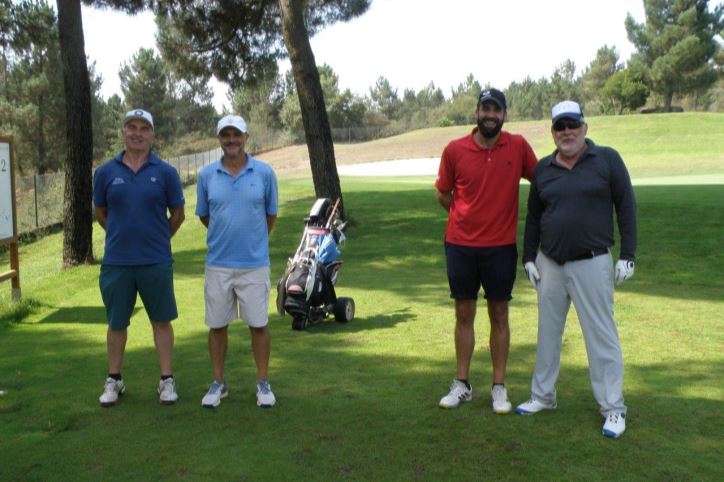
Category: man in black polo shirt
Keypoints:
(568, 237)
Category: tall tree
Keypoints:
(384, 98)
(78, 218)
(145, 85)
(464, 99)
(563, 84)
(596, 75)
(677, 43)
(527, 99)
(625, 90)
(344, 109)
(109, 139)
(33, 87)
(311, 101)
(261, 104)
(237, 41)
(192, 105)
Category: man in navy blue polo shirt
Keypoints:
(139, 201)
(237, 202)
(567, 256)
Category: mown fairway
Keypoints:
(359, 401)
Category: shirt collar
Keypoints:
(250, 162)
(152, 158)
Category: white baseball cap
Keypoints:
(235, 121)
(566, 109)
(139, 114)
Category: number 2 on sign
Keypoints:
(3, 165)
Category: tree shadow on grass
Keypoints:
(79, 314)
(189, 263)
(331, 327)
(398, 244)
(338, 403)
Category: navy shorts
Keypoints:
(492, 267)
(120, 285)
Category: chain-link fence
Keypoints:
(359, 134)
(189, 165)
(39, 201)
(39, 198)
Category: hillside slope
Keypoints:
(651, 145)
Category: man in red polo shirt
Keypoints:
(477, 184)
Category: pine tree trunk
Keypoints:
(311, 100)
(77, 200)
(668, 100)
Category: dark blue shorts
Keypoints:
(120, 285)
(492, 267)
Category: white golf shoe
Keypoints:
(264, 396)
(167, 391)
(458, 393)
(216, 392)
(615, 425)
(112, 390)
(533, 406)
(501, 404)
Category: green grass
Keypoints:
(359, 401)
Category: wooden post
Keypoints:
(8, 218)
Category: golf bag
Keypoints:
(306, 289)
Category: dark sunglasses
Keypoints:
(564, 124)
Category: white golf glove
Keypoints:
(532, 272)
(624, 270)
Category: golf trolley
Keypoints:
(306, 289)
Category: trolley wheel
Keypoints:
(300, 323)
(316, 315)
(344, 310)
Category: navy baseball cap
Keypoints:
(493, 94)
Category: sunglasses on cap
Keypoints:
(564, 124)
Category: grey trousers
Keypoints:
(589, 284)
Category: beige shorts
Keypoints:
(232, 293)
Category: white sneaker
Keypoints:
(111, 391)
(499, 394)
(615, 425)
(167, 391)
(533, 406)
(213, 397)
(458, 393)
(264, 396)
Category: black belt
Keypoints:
(590, 254)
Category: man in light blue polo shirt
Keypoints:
(139, 201)
(237, 202)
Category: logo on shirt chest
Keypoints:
(118, 180)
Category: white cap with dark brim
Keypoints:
(567, 109)
(235, 121)
(138, 114)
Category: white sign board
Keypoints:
(6, 194)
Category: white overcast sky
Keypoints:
(413, 42)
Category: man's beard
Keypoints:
(489, 132)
